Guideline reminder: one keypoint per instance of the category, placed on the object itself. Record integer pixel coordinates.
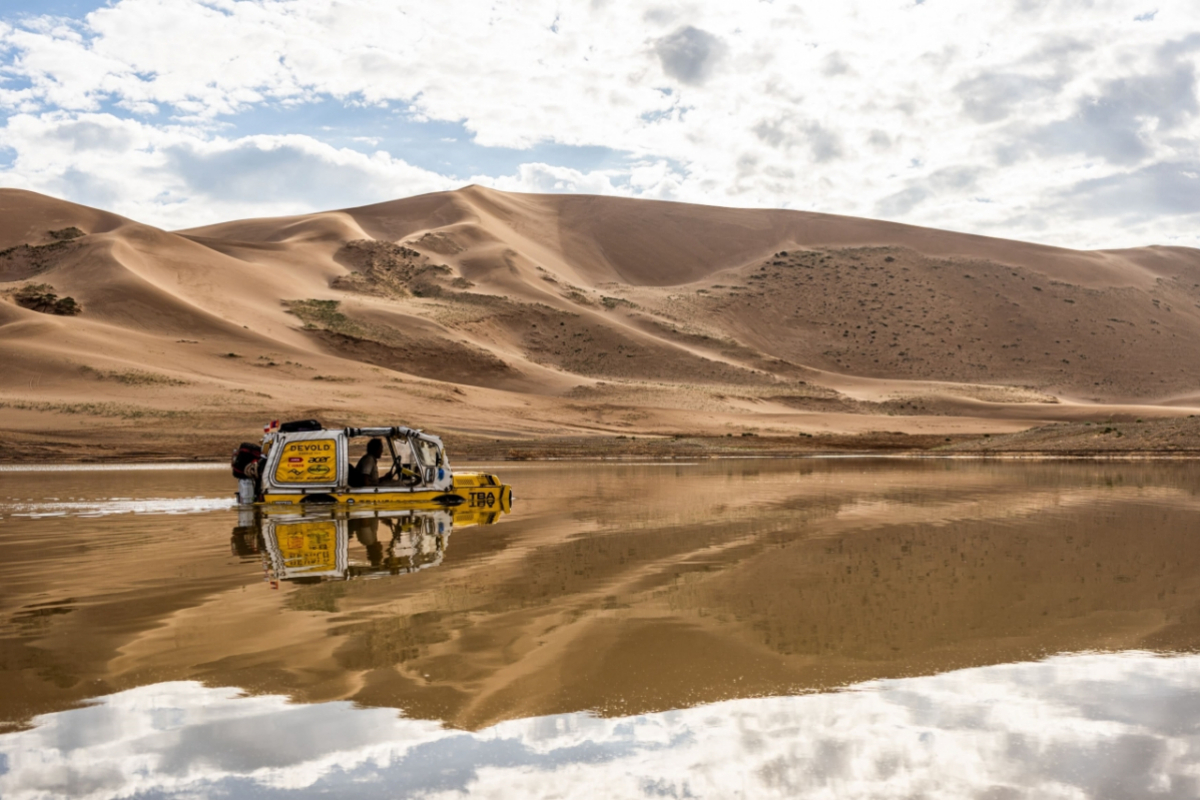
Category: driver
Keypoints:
(368, 466)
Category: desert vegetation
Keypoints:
(42, 298)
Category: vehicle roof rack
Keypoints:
(296, 426)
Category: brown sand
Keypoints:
(557, 323)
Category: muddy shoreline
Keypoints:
(1156, 440)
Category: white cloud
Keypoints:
(821, 107)
(1093, 725)
(549, 178)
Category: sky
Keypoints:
(1068, 122)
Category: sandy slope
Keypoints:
(490, 315)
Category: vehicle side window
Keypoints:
(380, 466)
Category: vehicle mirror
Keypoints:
(430, 473)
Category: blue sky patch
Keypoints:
(14, 10)
(447, 148)
(14, 83)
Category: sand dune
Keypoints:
(484, 314)
(29, 217)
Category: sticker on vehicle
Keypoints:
(307, 462)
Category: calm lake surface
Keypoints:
(817, 628)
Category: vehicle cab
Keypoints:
(306, 462)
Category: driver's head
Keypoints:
(375, 447)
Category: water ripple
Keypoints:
(104, 508)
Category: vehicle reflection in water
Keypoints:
(315, 545)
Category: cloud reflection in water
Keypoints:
(1091, 725)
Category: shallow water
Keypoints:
(778, 628)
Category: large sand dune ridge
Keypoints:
(488, 315)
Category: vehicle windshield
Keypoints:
(428, 452)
